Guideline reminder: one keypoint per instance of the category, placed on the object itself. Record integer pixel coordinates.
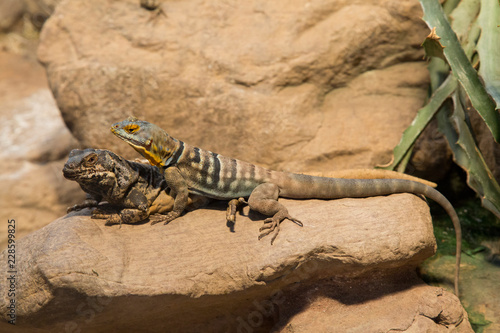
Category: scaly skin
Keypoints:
(188, 169)
(136, 190)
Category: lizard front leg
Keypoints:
(264, 199)
(90, 202)
(180, 190)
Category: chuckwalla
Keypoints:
(134, 190)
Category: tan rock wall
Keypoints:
(34, 145)
(302, 85)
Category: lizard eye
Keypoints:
(91, 160)
(132, 128)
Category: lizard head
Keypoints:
(86, 165)
(100, 172)
(149, 140)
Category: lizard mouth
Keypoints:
(69, 174)
(129, 140)
(74, 174)
(143, 148)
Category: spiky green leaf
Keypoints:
(460, 65)
(432, 46)
(488, 48)
(467, 155)
(423, 117)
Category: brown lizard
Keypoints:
(134, 190)
(189, 169)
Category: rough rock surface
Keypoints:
(431, 157)
(34, 145)
(197, 274)
(393, 304)
(303, 85)
(10, 12)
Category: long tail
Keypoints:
(299, 186)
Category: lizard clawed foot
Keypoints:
(166, 219)
(273, 224)
(86, 204)
(77, 208)
(100, 214)
(111, 219)
(72, 209)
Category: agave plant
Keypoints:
(472, 40)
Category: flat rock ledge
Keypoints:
(350, 268)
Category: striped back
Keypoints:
(218, 176)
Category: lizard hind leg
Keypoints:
(264, 199)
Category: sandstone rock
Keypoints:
(394, 304)
(10, 12)
(34, 145)
(479, 283)
(40, 10)
(304, 86)
(37, 11)
(432, 157)
(197, 274)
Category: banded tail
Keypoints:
(297, 186)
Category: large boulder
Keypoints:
(35, 143)
(304, 85)
(198, 274)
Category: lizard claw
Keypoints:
(70, 209)
(270, 225)
(294, 220)
(273, 224)
(111, 219)
(166, 219)
(99, 214)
